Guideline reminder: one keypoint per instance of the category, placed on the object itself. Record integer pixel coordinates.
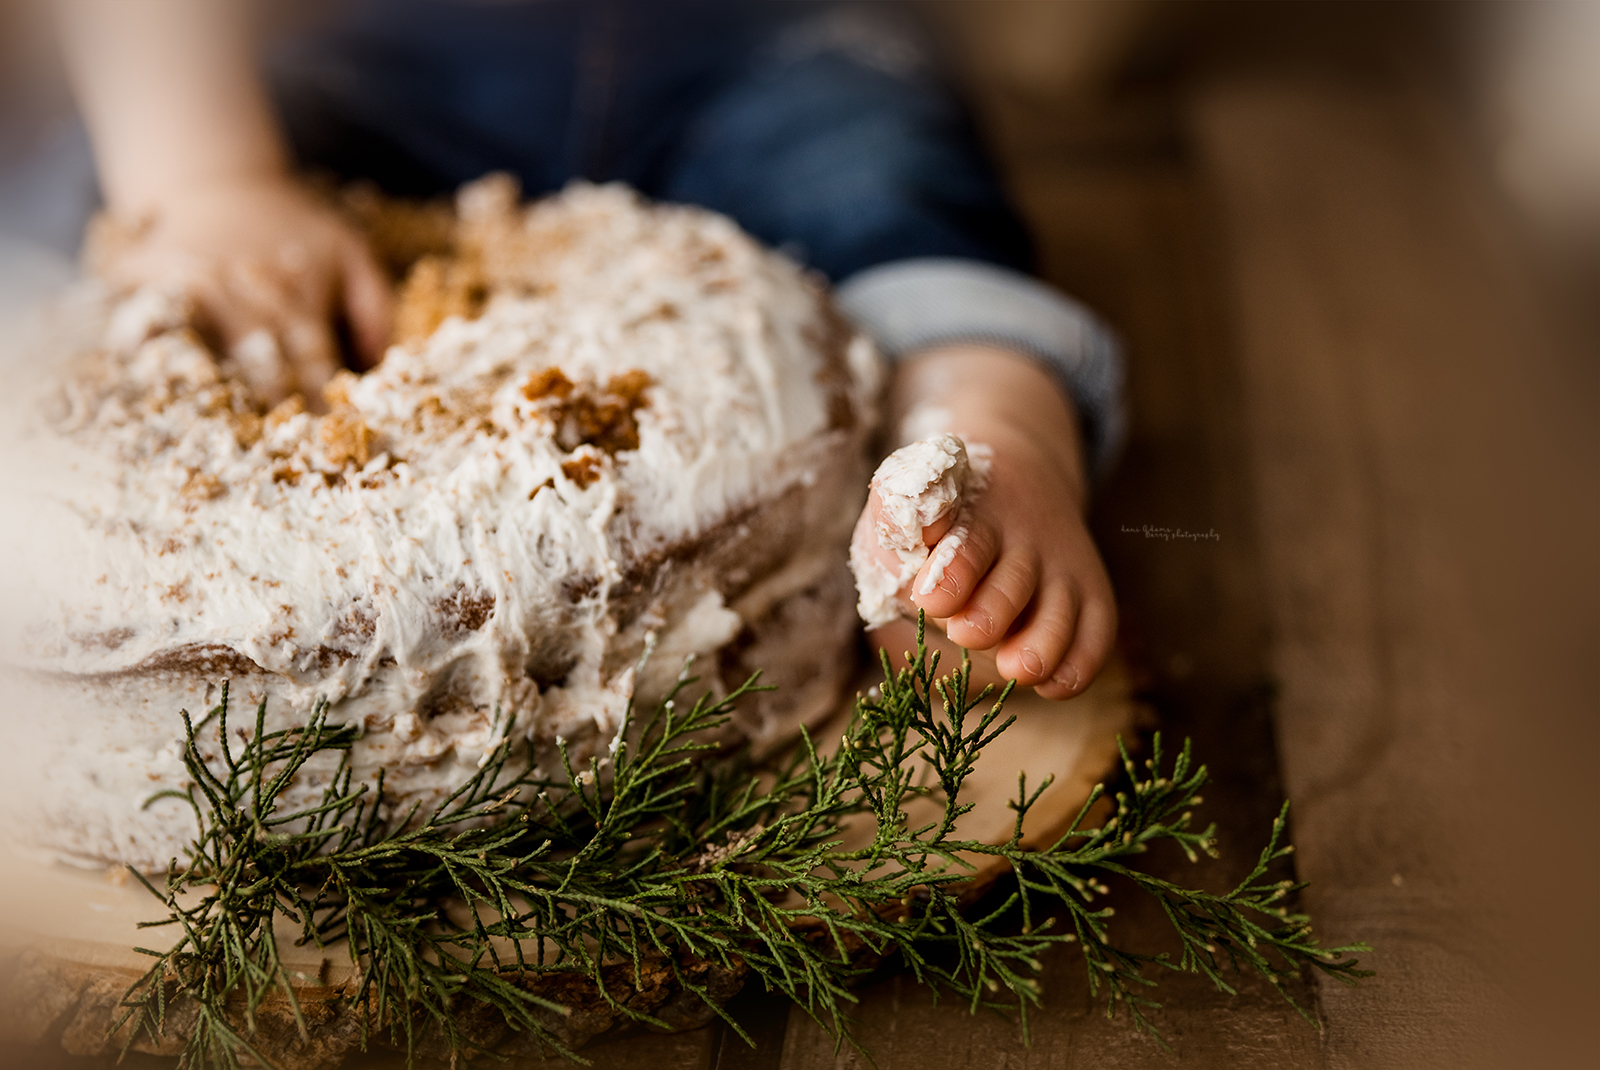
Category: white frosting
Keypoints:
(917, 486)
(941, 557)
(440, 556)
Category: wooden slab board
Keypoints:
(67, 934)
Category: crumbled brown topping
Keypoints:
(577, 588)
(518, 251)
(588, 417)
(664, 310)
(336, 391)
(345, 437)
(209, 661)
(202, 486)
(435, 289)
(630, 387)
(583, 469)
(432, 416)
(286, 410)
(247, 429)
(468, 611)
(354, 622)
(400, 231)
(548, 383)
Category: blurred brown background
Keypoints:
(1361, 349)
(1348, 246)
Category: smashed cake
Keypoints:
(611, 436)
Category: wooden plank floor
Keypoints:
(1410, 493)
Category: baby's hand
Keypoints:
(1010, 566)
(270, 270)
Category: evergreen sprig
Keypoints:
(666, 851)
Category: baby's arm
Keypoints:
(1026, 581)
(194, 167)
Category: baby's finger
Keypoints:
(1092, 640)
(242, 331)
(958, 563)
(265, 290)
(938, 529)
(864, 542)
(260, 363)
(930, 534)
(312, 351)
(368, 303)
(996, 604)
(253, 309)
(1045, 634)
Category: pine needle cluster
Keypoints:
(670, 851)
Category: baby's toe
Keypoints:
(864, 543)
(955, 567)
(1092, 640)
(886, 523)
(999, 599)
(1042, 641)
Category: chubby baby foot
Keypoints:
(996, 552)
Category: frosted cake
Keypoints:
(613, 436)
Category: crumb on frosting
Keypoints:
(591, 415)
(336, 391)
(435, 289)
(202, 486)
(286, 410)
(345, 438)
(467, 610)
(584, 469)
(546, 383)
(247, 428)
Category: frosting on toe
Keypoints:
(917, 486)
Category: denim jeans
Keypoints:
(820, 128)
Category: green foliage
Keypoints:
(668, 850)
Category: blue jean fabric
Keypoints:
(820, 129)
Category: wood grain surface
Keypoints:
(1405, 462)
